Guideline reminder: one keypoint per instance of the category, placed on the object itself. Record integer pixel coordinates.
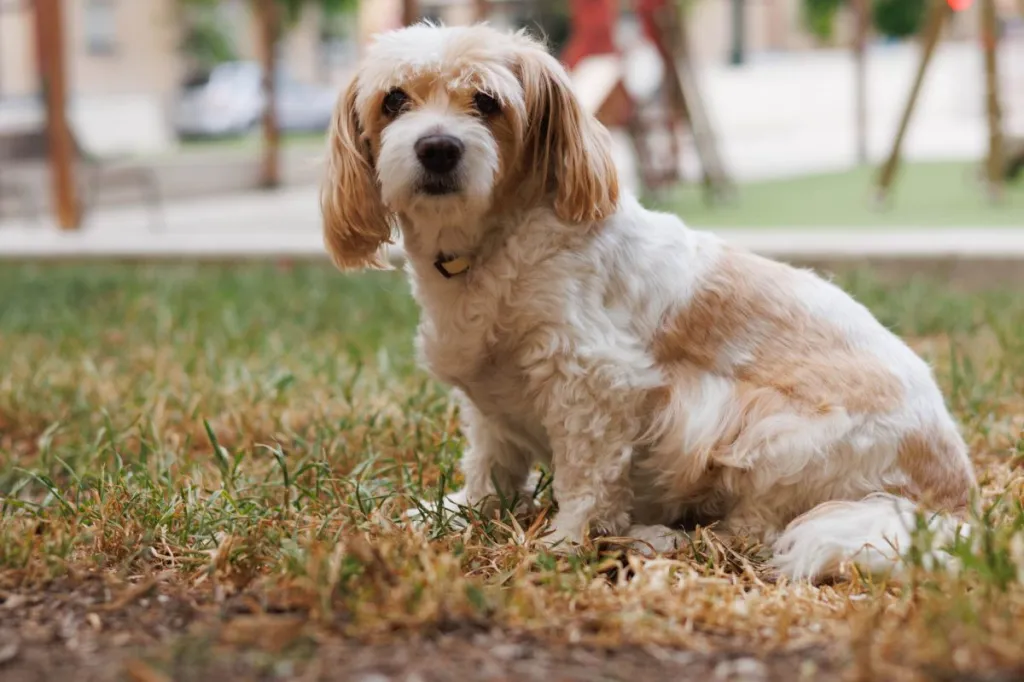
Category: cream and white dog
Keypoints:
(658, 371)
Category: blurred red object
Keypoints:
(593, 27)
(593, 30)
(959, 5)
(647, 11)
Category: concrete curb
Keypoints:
(966, 259)
(982, 244)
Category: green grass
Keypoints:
(252, 141)
(924, 195)
(247, 440)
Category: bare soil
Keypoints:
(90, 631)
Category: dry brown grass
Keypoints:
(204, 471)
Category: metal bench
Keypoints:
(27, 147)
(16, 146)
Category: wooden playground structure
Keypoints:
(654, 128)
(1003, 160)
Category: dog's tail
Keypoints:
(880, 534)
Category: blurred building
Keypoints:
(118, 47)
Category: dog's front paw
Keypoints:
(560, 541)
(652, 540)
(562, 537)
(451, 512)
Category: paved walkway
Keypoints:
(286, 224)
(793, 113)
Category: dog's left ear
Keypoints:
(568, 146)
(355, 222)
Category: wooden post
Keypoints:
(860, 8)
(481, 10)
(665, 26)
(668, 42)
(990, 44)
(270, 30)
(410, 12)
(936, 19)
(49, 16)
(739, 38)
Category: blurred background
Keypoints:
(132, 118)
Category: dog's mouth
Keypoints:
(439, 185)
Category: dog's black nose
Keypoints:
(439, 153)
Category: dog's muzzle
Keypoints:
(439, 155)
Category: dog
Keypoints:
(658, 371)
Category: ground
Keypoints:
(944, 194)
(204, 469)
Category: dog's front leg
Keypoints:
(591, 488)
(590, 421)
(495, 465)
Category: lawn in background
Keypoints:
(204, 470)
(924, 195)
(252, 140)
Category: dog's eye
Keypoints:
(394, 102)
(485, 104)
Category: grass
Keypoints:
(924, 194)
(251, 141)
(203, 472)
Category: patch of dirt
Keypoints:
(92, 631)
(81, 628)
(496, 658)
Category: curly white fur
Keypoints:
(658, 371)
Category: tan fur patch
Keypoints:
(423, 88)
(696, 472)
(516, 184)
(567, 151)
(356, 223)
(939, 470)
(743, 304)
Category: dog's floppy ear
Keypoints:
(355, 222)
(567, 145)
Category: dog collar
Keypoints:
(450, 266)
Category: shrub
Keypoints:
(898, 18)
(819, 18)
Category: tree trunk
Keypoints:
(480, 10)
(938, 13)
(60, 145)
(410, 12)
(270, 31)
(860, 80)
(737, 48)
(990, 44)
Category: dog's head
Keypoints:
(442, 125)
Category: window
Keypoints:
(337, 43)
(100, 26)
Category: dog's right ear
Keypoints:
(566, 145)
(355, 222)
